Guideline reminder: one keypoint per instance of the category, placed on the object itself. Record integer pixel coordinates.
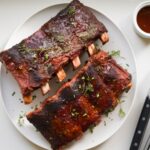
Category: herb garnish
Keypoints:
(114, 53)
(36, 107)
(13, 93)
(60, 38)
(46, 56)
(71, 10)
(106, 113)
(104, 123)
(74, 113)
(120, 101)
(89, 88)
(121, 113)
(91, 127)
(21, 119)
(33, 97)
(86, 87)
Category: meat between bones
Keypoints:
(79, 103)
(37, 58)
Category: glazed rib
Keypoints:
(80, 101)
(37, 58)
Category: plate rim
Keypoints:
(131, 50)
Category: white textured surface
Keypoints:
(15, 12)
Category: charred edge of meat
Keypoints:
(37, 58)
(89, 85)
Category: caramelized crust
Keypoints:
(35, 59)
(79, 103)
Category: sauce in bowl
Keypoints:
(143, 19)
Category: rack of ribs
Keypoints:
(42, 55)
(79, 103)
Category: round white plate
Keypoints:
(14, 107)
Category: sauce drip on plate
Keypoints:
(143, 19)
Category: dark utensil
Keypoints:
(141, 126)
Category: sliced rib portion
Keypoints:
(112, 74)
(80, 101)
(34, 60)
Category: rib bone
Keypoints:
(61, 74)
(27, 99)
(104, 37)
(45, 88)
(76, 62)
(91, 49)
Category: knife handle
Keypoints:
(141, 126)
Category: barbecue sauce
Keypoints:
(143, 19)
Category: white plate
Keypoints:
(14, 107)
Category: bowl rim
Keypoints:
(136, 11)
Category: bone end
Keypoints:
(91, 49)
(104, 37)
(27, 99)
(76, 62)
(45, 88)
(61, 74)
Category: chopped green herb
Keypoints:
(21, 101)
(96, 45)
(91, 127)
(110, 118)
(88, 78)
(120, 101)
(36, 106)
(33, 97)
(97, 95)
(89, 88)
(104, 123)
(114, 53)
(121, 113)
(13, 93)
(127, 65)
(46, 56)
(106, 113)
(21, 119)
(71, 10)
(74, 113)
(84, 35)
(60, 38)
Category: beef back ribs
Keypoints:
(79, 103)
(35, 59)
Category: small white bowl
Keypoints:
(137, 28)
